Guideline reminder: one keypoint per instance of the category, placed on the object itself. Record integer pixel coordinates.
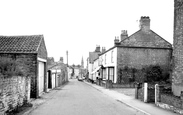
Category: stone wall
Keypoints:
(28, 65)
(14, 92)
(140, 93)
(138, 58)
(177, 79)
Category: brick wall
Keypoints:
(14, 92)
(138, 58)
(146, 39)
(172, 100)
(177, 85)
(28, 65)
(42, 52)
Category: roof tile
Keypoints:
(20, 44)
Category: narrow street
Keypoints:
(79, 98)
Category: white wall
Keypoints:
(109, 63)
(95, 66)
(90, 68)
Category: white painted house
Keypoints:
(108, 64)
(95, 69)
(92, 57)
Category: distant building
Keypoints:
(50, 61)
(57, 74)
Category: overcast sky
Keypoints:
(79, 25)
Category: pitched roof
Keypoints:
(93, 56)
(20, 44)
(146, 39)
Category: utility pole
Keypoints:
(67, 56)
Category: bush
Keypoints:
(153, 74)
(9, 68)
(150, 74)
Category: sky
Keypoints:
(79, 25)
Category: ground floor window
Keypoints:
(104, 74)
(111, 73)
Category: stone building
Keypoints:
(30, 54)
(177, 74)
(124, 62)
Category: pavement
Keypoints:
(146, 108)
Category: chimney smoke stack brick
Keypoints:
(116, 41)
(124, 34)
(97, 48)
(103, 49)
(144, 23)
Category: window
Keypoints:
(111, 73)
(105, 58)
(104, 73)
(112, 60)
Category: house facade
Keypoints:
(31, 56)
(125, 61)
(108, 65)
(90, 63)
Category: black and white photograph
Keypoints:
(91, 57)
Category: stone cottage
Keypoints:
(125, 61)
(177, 74)
(31, 56)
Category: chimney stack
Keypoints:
(97, 48)
(144, 23)
(116, 41)
(124, 34)
(61, 59)
(103, 49)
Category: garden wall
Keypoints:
(14, 92)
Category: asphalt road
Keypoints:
(79, 98)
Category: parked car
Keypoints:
(80, 78)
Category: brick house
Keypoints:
(177, 74)
(31, 55)
(122, 63)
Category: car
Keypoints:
(80, 78)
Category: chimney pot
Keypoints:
(97, 48)
(116, 41)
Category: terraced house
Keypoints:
(124, 62)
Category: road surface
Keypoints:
(79, 98)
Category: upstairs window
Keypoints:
(112, 58)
